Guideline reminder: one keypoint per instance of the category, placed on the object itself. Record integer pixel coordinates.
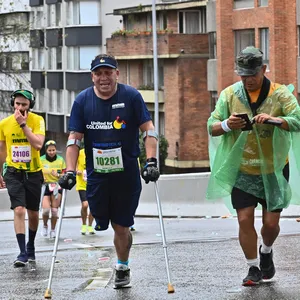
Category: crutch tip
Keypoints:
(170, 289)
(48, 294)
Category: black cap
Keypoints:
(104, 61)
(249, 61)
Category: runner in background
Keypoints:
(53, 167)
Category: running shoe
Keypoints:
(21, 260)
(253, 278)
(30, 252)
(52, 234)
(83, 229)
(266, 264)
(122, 275)
(132, 228)
(90, 230)
(44, 231)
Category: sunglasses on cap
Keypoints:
(51, 142)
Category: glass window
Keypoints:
(243, 39)
(192, 22)
(59, 58)
(58, 14)
(86, 54)
(243, 4)
(52, 100)
(212, 45)
(59, 106)
(148, 74)
(263, 3)
(162, 18)
(264, 44)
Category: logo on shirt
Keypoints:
(118, 124)
(118, 105)
(100, 125)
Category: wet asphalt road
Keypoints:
(206, 262)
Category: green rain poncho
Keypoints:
(253, 160)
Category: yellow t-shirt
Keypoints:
(20, 154)
(81, 166)
(57, 165)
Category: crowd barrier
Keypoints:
(181, 195)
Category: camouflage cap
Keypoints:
(249, 61)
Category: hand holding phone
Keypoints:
(245, 117)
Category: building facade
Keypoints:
(183, 52)
(64, 38)
(14, 51)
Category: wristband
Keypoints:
(22, 125)
(224, 126)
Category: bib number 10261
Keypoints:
(108, 161)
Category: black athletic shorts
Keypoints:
(24, 188)
(49, 193)
(82, 195)
(241, 199)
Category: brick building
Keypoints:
(271, 25)
(183, 52)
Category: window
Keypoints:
(263, 3)
(161, 116)
(54, 58)
(79, 58)
(38, 62)
(148, 74)
(71, 97)
(192, 22)
(213, 100)
(264, 44)
(14, 61)
(243, 39)
(162, 19)
(40, 100)
(212, 45)
(83, 12)
(243, 4)
(54, 15)
(4, 101)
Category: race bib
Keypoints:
(21, 154)
(108, 161)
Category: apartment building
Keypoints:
(14, 51)
(64, 37)
(272, 25)
(183, 53)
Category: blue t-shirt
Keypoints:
(110, 123)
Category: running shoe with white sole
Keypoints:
(122, 275)
(21, 260)
(44, 231)
(52, 234)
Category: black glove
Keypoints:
(67, 180)
(150, 171)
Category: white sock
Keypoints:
(252, 262)
(265, 249)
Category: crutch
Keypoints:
(42, 195)
(162, 229)
(48, 292)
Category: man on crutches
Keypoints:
(109, 116)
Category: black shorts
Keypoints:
(49, 193)
(115, 198)
(241, 199)
(82, 195)
(24, 188)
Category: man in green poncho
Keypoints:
(253, 165)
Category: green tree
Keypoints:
(163, 152)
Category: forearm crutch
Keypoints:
(48, 292)
(42, 195)
(162, 229)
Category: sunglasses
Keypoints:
(50, 143)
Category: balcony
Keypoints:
(170, 45)
(149, 96)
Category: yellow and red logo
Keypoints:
(118, 124)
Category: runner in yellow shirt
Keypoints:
(81, 179)
(53, 166)
(22, 135)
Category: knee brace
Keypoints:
(54, 212)
(46, 211)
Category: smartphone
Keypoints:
(248, 125)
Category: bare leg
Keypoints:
(247, 232)
(122, 241)
(55, 203)
(270, 229)
(19, 219)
